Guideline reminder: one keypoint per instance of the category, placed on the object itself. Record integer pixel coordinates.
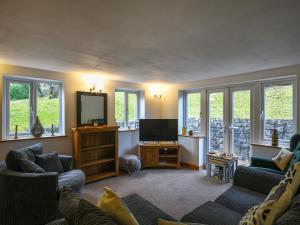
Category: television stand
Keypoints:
(160, 155)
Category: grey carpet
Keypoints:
(176, 192)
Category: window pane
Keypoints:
(279, 110)
(193, 111)
(132, 109)
(119, 108)
(19, 107)
(48, 109)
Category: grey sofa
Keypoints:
(32, 198)
(250, 187)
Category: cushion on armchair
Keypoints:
(50, 162)
(30, 153)
(29, 166)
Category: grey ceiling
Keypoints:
(146, 40)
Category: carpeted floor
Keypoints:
(176, 192)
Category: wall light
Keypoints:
(156, 91)
(94, 83)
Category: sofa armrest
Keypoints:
(28, 198)
(255, 179)
(263, 162)
(66, 162)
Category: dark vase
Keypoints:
(37, 129)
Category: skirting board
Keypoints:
(191, 166)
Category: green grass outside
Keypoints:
(47, 111)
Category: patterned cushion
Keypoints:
(283, 158)
(78, 211)
(50, 162)
(277, 202)
(29, 166)
(13, 156)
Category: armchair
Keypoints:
(32, 198)
(268, 164)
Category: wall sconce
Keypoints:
(156, 91)
(95, 84)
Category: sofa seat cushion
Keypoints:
(73, 179)
(270, 170)
(240, 199)
(212, 213)
(144, 212)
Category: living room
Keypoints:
(198, 112)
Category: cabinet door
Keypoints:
(149, 156)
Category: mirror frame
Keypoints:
(78, 97)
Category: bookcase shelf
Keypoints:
(96, 151)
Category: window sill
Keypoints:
(192, 136)
(23, 138)
(127, 130)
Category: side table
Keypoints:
(228, 163)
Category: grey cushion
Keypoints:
(59, 222)
(50, 162)
(212, 213)
(78, 211)
(130, 163)
(73, 179)
(88, 214)
(29, 166)
(240, 199)
(145, 212)
(292, 215)
(13, 156)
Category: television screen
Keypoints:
(158, 129)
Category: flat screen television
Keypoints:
(158, 129)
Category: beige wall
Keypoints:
(72, 83)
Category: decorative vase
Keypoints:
(37, 129)
(183, 131)
(191, 132)
(274, 137)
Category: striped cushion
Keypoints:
(88, 214)
(29, 166)
(68, 204)
(50, 162)
(78, 211)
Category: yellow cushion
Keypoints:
(114, 206)
(277, 201)
(283, 158)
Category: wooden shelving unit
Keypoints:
(160, 155)
(96, 151)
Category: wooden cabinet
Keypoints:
(96, 151)
(160, 155)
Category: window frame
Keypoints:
(185, 108)
(126, 93)
(33, 82)
(291, 81)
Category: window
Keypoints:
(193, 111)
(127, 108)
(27, 98)
(278, 111)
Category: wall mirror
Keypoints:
(91, 108)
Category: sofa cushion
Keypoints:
(292, 215)
(73, 179)
(269, 170)
(50, 162)
(144, 211)
(29, 166)
(166, 222)
(212, 213)
(283, 158)
(59, 222)
(13, 156)
(78, 211)
(240, 199)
